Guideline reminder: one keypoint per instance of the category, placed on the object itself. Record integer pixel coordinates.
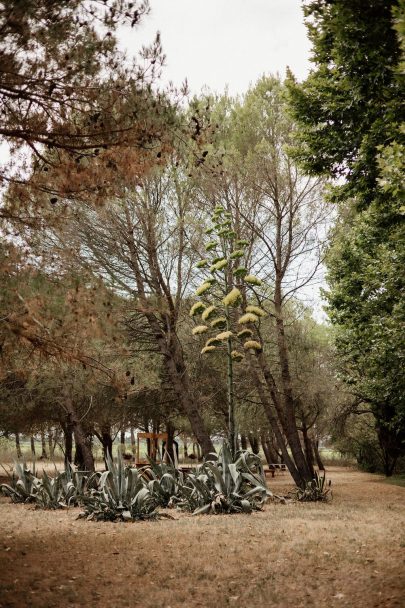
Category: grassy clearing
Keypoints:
(346, 553)
(396, 480)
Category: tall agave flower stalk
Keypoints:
(220, 299)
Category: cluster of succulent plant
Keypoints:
(59, 492)
(317, 490)
(122, 493)
(226, 486)
(222, 293)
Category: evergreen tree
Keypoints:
(349, 116)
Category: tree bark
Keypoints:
(318, 458)
(68, 432)
(274, 422)
(122, 441)
(254, 443)
(269, 451)
(243, 442)
(18, 445)
(285, 415)
(32, 446)
(51, 446)
(44, 455)
(133, 443)
(178, 374)
(107, 442)
(79, 435)
(169, 446)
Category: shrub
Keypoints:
(121, 495)
(316, 490)
(225, 486)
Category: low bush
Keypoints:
(316, 490)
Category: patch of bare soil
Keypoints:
(350, 552)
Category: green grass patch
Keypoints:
(396, 480)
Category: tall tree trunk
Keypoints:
(32, 446)
(122, 441)
(44, 455)
(269, 451)
(318, 458)
(18, 445)
(166, 337)
(169, 445)
(133, 443)
(254, 443)
(285, 415)
(243, 442)
(51, 447)
(68, 433)
(273, 419)
(107, 442)
(308, 449)
(178, 374)
(79, 435)
(291, 429)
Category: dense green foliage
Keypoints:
(349, 113)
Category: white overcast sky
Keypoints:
(216, 43)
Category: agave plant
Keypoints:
(121, 495)
(225, 486)
(165, 481)
(24, 484)
(316, 490)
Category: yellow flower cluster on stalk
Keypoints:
(225, 269)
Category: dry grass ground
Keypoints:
(350, 552)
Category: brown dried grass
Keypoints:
(349, 552)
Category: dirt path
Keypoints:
(347, 553)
